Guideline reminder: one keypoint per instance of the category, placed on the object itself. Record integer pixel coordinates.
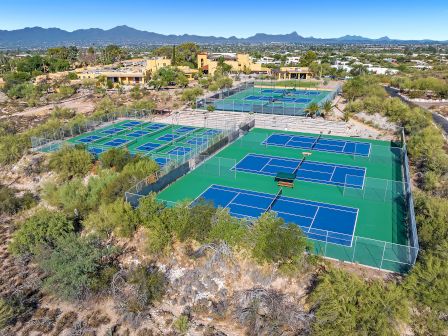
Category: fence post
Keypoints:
(354, 248)
(382, 257)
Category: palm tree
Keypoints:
(312, 109)
(326, 107)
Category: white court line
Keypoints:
(331, 177)
(290, 199)
(314, 218)
(280, 212)
(354, 227)
(298, 161)
(318, 207)
(227, 205)
(303, 179)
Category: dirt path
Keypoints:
(82, 105)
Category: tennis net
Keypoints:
(298, 166)
(317, 140)
(280, 192)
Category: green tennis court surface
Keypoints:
(367, 223)
(161, 141)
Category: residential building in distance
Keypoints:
(292, 73)
(207, 63)
(292, 60)
(134, 72)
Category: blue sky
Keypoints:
(409, 19)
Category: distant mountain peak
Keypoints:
(38, 37)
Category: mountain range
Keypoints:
(38, 37)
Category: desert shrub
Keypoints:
(150, 284)
(115, 158)
(69, 162)
(118, 217)
(12, 148)
(7, 313)
(43, 228)
(73, 265)
(152, 214)
(346, 305)
(182, 324)
(274, 241)
(229, 229)
(63, 113)
(70, 196)
(10, 203)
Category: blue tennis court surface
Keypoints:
(137, 134)
(185, 129)
(319, 144)
(149, 146)
(89, 139)
(320, 221)
(161, 161)
(179, 151)
(292, 92)
(112, 130)
(131, 123)
(169, 137)
(155, 127)
(211, 132)
(116, 142)
(196, 141)
(96, 150)
(309, 171)
(279, 99)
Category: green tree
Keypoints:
(327, 107)
(312, 109)
(69, 162)
(117, 217)
(274, 241)
(45, 227)
(190, 95)
(229, 229)
(155, 218)
(358, 70)
(116, 158)
(71, 196)
(308, 58)
(144, 104)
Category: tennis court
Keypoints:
(291, 92)
(321, 221)
(163, 142)
(273, 101)
(319, 144)
(303, 170)
(362, 176)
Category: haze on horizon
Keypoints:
(399, 19)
